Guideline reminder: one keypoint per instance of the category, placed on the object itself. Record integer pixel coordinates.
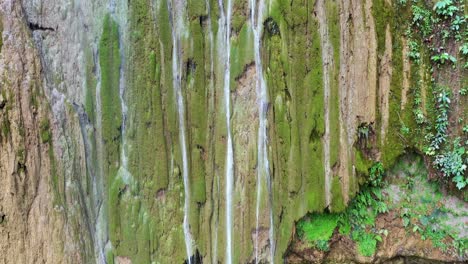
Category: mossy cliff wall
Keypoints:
(339, 86)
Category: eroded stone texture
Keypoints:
(331, 67)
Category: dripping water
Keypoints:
(327, 61)
(178, 28)
(225, 49)
(263, 167)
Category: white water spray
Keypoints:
(225, 49)
(327, 61)
(263, 166)
(177, 15)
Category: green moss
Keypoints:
(6, 125)
(46, 134)
(241, 52)
(337, 201)
(238, 15)
(55, 181)
(90, 82)
(196, 105)
(332, 12)
(196, 9)
(148, 158)
(317, 228)
(109, 60)
(393, 145)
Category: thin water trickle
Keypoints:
(263, 166)
(178, 28)
(225, 49)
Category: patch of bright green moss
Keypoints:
(109, 59)
(337, 201)
(317, 227)
(91, 82)
(242, 52)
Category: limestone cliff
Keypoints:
(118, 116)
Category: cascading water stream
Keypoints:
(263, 167)
(327, 59)
(225, 49)
(177, 30)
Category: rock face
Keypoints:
(32, 221)
(67, 68)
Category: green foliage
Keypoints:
(440, 59)
(452, 164)
(446, 8)
(464, 49)
(402, 2)
(422, 19)
(376, 174)
(363, 131)
(366, 242)
(414, 52)
(442, 122)
(458, 23)
(359, 219)
(461, 245)
(463, 91)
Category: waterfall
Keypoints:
(178, 28)
(327, 62)
(263, 166)
(225, 49)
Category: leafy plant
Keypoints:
(443, 105)
(422, 18)
(445, 8)
(363, 131)
(456, 25)
(414, 53)
(463, 91)
(376, 173)
(452, 164)
(443, 57)
(464, 49)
